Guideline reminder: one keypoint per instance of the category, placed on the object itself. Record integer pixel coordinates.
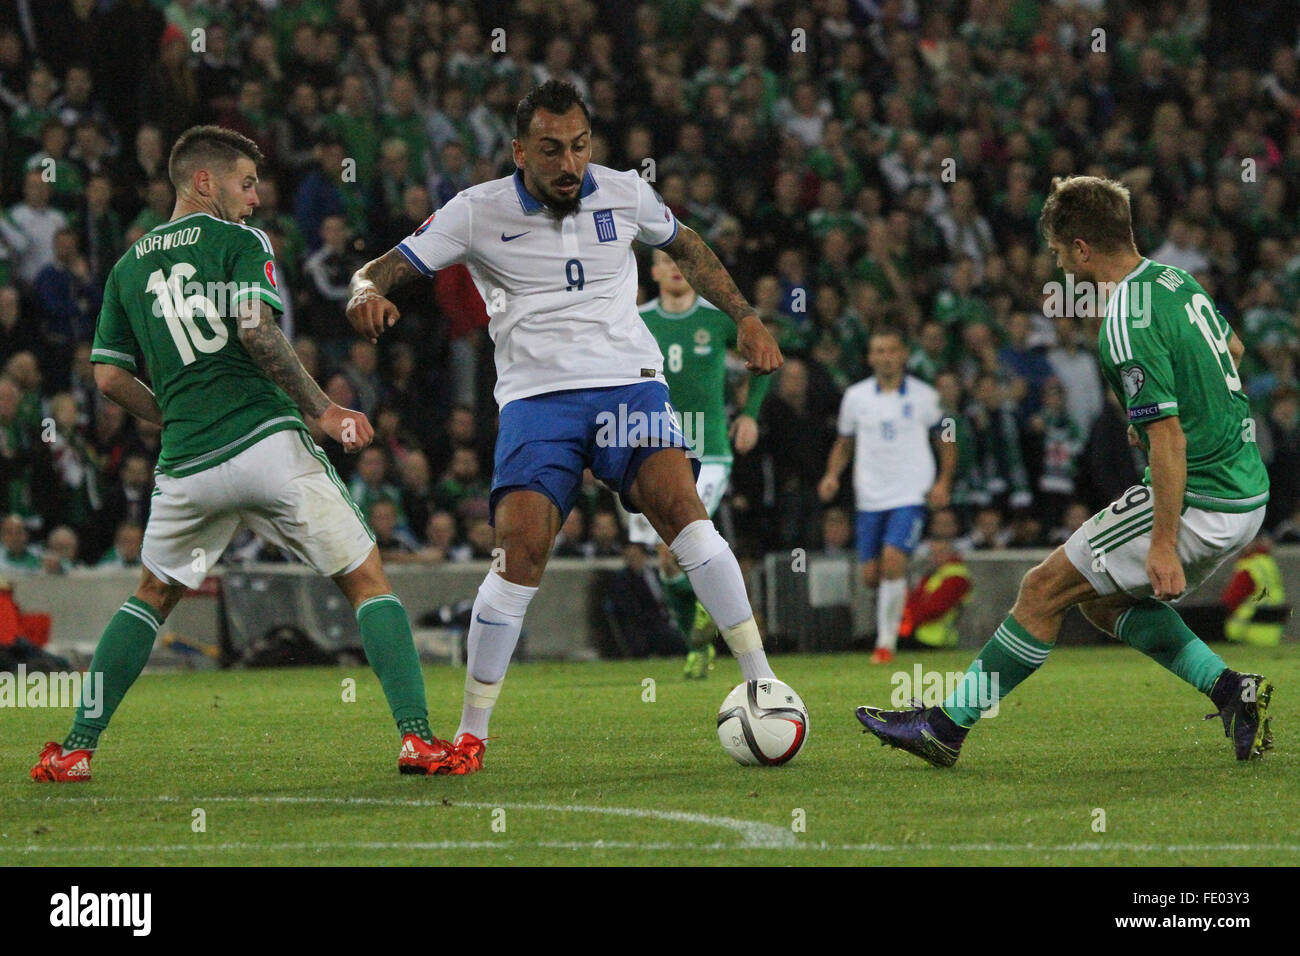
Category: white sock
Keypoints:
(497, 618)
(889, 612)
(477, 709)
(715, 576)
(747, 646)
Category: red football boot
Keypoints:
(57, 767)
(420, 757)
(469, 755)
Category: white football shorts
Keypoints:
(283, 488)
(1110, 548)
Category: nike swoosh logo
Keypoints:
(505, 238)
(479, 618)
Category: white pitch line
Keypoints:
(754, 836)
(751, 833)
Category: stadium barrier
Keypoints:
(820, 608)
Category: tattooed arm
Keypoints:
(708, 277)
(368, 311)
(272, 353)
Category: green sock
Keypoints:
(1006, 660)
(386, 638)
(120, 656)
(680, 599)
(1157, 631)
(702, 630)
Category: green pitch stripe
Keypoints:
(333, 475)
(1136, 534)
(1121, 528)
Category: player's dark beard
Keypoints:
(561, 207)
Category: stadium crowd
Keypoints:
(852, 162)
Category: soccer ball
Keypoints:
(763, 722)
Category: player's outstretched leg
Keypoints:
(496, 621)
(1019, 647)
(526, 524)
(390, 649)
(120, 656)
(1159, 632)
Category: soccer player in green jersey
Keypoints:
(194, 302)
(1171, 359)
(694, 338)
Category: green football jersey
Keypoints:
(694, 344)
(1164, 351)
(170, 302)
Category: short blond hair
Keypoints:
(1090, 208)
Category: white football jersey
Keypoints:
(893, 463)
(560, 295)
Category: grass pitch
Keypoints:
(583, 770)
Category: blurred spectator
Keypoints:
(417, 489)
(1111, 461)
(74, 464)
(17, 334)
(987, 532)
(31, 225)
(62, 551)
(569, 542)
(1075, 514)
(126, 502)
(995, 435)
(1024, 366)
(606, 535)
(169, 95)
(837, 531)
(17, 557)
(440, 536)
(100, 228)
(68, 296)
(933, 607)
(127, 543)
(329, 270)
(797, 432)
(480, 540)
(157, 209)
(328, 189)
(362, 371)
(1078, 373)
(966, 233)
(18, 448)
(396, 544)
(460, 481)
(1059, 444)
(1255, 597)
(371, 482)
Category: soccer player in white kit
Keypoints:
(887, 423)
(580, 378)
